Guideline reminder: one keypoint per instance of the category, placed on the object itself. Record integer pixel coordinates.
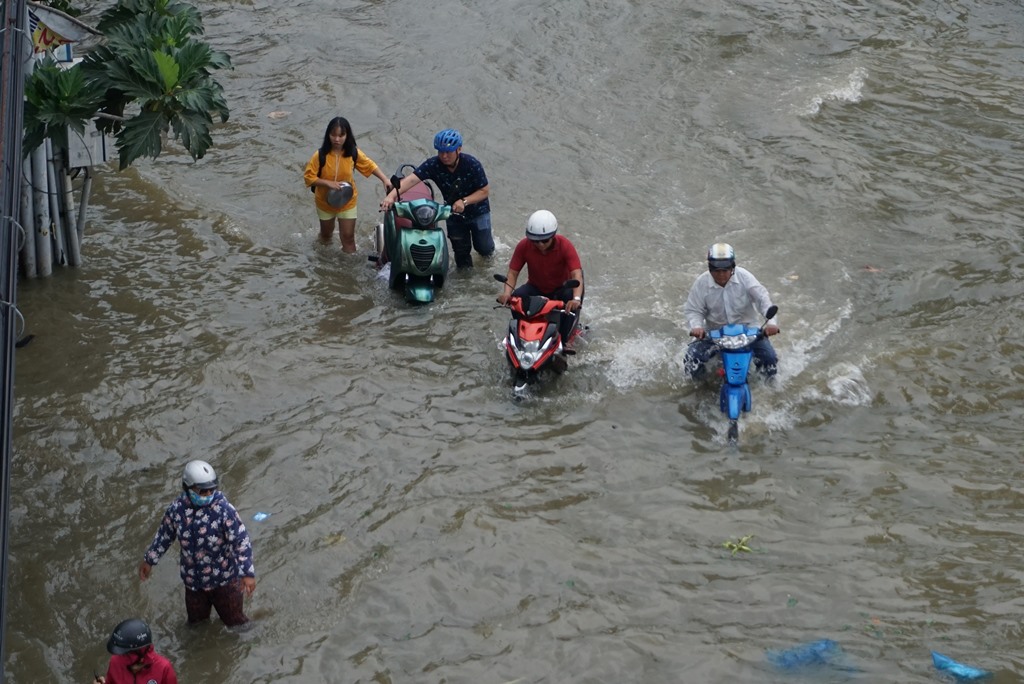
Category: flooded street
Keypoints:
(865, 162)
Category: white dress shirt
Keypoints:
(742, 300)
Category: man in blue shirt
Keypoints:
(463, 184)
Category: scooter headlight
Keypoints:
(424, 215)
(531, 352)
(731, 342)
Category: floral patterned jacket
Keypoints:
(215, 547)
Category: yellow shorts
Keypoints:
(328, 215)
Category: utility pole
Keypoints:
(15, 48)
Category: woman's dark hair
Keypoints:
(349, 148)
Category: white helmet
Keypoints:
(721, 256)
(199, 474)
(541, 225)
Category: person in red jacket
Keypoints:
(133, 660)
(550, 260)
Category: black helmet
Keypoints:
(130, 635)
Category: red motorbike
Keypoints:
(534, 342)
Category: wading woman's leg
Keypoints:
(347, 229)
(326, 230)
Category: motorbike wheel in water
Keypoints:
(378, 245)
(520, 383)
(396, 279)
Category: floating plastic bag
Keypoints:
(821, 652)
(963, 673)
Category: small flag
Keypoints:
(44, 39)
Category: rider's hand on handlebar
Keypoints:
(697, 332)
(386, 203)
(503, 298)
(572, 306)
(770, 330)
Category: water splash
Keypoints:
(643, 361)
(848, 91)
(807, 340)
(847, 386)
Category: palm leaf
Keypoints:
(194, 58)
(56, 99)
(142, 136)
(127, 10)
(193, 128)
(169, 71)
(220, 60)
(137, 75)
(150, 63)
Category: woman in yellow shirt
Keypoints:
(332, 168)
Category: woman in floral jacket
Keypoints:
(216, 553)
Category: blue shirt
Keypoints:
(467, 178)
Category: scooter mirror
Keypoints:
(571, 283)
(500, 278)
(772, 310)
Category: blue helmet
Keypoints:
(448, 140)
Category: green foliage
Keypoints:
(154, 79)
(62, 5)
(55, 99)
(127, 10)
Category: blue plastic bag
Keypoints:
(963, 673)
(821, 652)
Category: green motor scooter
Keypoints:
(410, 240)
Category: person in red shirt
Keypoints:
(551, 260)
(133, 660)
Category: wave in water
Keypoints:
(848, 90)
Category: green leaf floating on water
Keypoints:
(738, 545)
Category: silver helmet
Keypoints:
(721, 255)
(200, 475)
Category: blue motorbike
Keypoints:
(734, 343)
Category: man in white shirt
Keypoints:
(723, 295)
